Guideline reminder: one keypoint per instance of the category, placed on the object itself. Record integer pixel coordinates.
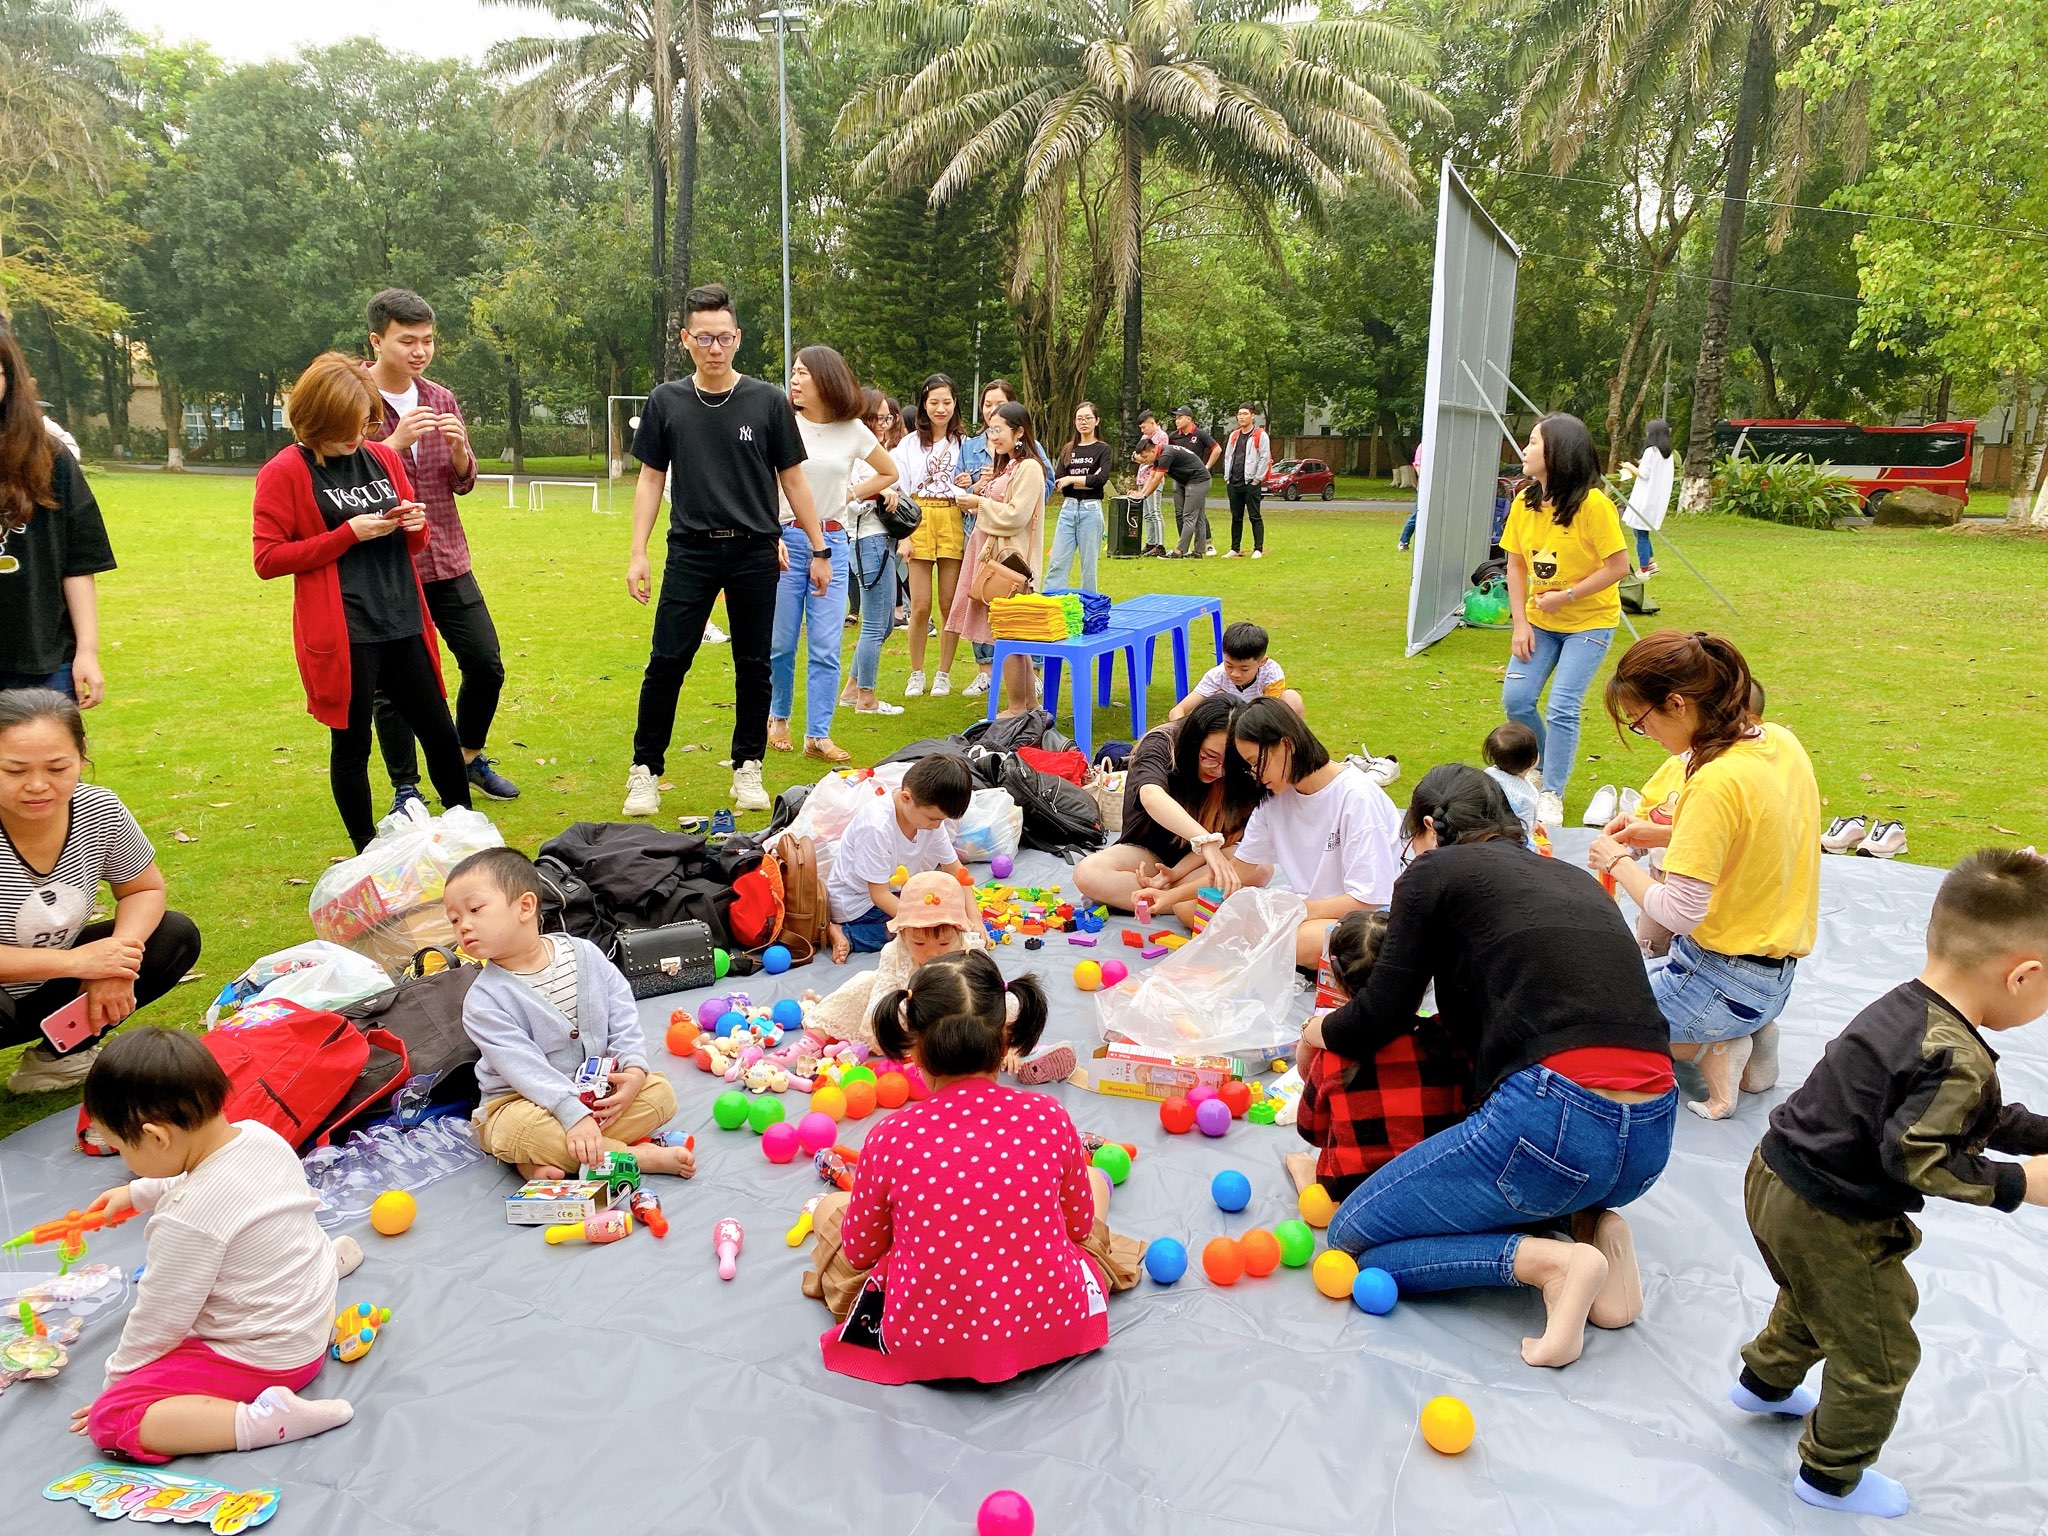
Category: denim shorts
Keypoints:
(1707, 997)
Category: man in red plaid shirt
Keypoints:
(423, 421)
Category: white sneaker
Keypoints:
(1231, 554)
(1258, 554)
(942, 685)
(1631, 802)
(914, 689)
(747, 793)
(1843, 834)
(713, 635)
(880, 707)
(1887, 840)
(1601, 808)
(977, 688)
(1550, 808)
(643, 794)
(42, 1070)
(1381, 770)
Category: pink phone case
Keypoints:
(70, 1025)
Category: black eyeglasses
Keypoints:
(1636, 725)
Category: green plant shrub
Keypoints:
(1794, 491)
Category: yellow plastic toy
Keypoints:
(356, 1330)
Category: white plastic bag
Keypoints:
(386, 901)
(315, 974)
(994, 824)
(1229, 989)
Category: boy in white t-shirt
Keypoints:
(907, 831)
(1247, 673)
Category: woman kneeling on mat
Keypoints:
(1538, 977)
(1741, 887)
(65, 980)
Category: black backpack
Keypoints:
(1059, 817)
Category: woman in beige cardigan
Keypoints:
(1009, 526)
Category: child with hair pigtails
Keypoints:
(973, 1244)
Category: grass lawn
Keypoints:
(1908, 661)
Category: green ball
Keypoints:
(856, 1075)
(721, 962)
(1114, 1161)
(1297, 1243)
(763, 1112)
(729, 1109)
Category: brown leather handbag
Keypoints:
(999, 575)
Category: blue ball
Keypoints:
(1375, 1291)
(775, 960)
(789, 1013)
(1231, 1190)
(1165, 1260)
(728, 1022)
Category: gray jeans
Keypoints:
(1191, 514)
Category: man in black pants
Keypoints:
(1246, 458)
(424, 423)
(1196, 439)
(730, 442)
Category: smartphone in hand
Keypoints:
(70, 1026)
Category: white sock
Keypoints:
(280, 1414)
(1797, 1404)
(1874, 1494)
(348, 1255)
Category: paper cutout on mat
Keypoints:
(153, 1496)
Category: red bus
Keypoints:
(1876, 460)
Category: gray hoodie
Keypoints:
(530, 1048)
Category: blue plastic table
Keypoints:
(1169, 613)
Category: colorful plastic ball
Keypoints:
(775, 959)
(1005, 1513)
(1447, 1425)
(1297, 1243)
(1088, 976)
(1231, 1190)
(762, 1112)
(730, 1020)
(682, 1037)
(1375, 1292)
(860, 1097)
(729, 1109)
(829, 1101)
(789, 1013)
(721, 964)
(1316, 1206)
(1200, 1094)
(1165, 1260)
(1177, 1115)
(1001, 865)
(1114, 1161)
(920, 1090)
(892, 1089)
(1334, 1273)
(779, 1142)
(1236, 1097)
(709, 1010)
(1212, 1117)
(1114, 971)
(1261, 1251)
(856, 1075)
(816, 1132)
(393, 1211)
(1223, 1260)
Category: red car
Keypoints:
(1296, 478)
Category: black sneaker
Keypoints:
(404, 795)
(484, 776)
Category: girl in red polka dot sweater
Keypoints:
(973, 1244)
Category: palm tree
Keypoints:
(1053, 95)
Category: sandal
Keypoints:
(778, 735)
(826, 748)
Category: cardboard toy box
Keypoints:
(1132, 1072)
(547, 1202)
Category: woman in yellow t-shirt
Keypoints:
(1565, 553)
(1741, 888)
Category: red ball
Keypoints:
(1223, 1260)
(1236, 1097)
(1177, 1115)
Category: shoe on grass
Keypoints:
(1258, 554)
(1601, 808)
(722, 824)
(826, 749)
(403, 796)
(1550, 808)
(1886, 840)
(941, 685)
(42, 1070)
(1631, 802)
(713, 635)
(747, 793)
(1231, 554)
(643, 793)
(486, 780)
(914, 689)
(1381, 770)
(977, 688)
(1843, 834)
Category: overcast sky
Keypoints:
(241, 30)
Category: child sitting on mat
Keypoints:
(1511, 751)
(235, 1306)
(905, 830)
(1246, 673)
(1903, 1105)
(1360, 1115)
(973, 1243)
(545, 1004)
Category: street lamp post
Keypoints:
(787, 20)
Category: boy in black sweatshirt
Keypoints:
(1903, 1105)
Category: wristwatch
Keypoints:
(821, 554)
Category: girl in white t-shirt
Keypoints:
(1649, 498)
(1324, 825)
(829, 405)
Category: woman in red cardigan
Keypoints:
(326, 510)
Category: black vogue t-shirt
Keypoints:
(722, 451)
(68, 539)
(1091, 462)
(1185, 467)
(378, 596)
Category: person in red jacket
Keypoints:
(327, 510)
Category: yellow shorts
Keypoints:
(940, 536)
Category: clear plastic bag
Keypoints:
(386, 901)
(994, 824)
(1231, 989)
(347, 1178)
(837, 798)
(316, 974)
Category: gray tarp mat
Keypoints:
(528, 1388)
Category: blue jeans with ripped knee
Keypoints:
(1567, 663)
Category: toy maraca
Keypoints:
(804, 1222)
(726, 1237)
(648, 1208)
(605, 1227)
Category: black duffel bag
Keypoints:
(1059, 816)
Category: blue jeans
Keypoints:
(797, 607)
(1573, 659)
(1078, 532)
(868, 932)
(1643, 554)
(1446, 1215)
(59, 680)
(1707, 997)
(874, 599)
(1408, 530)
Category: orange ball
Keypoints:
(826, 1099)
(964, 877)
(861, 1098)
(1261, 1251)
(682, 1037)
(1223, 1260)
(891, 1090)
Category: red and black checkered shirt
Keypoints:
(436, 483)
(1362, 1114)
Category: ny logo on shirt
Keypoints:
(746, 434)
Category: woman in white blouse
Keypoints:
(1650, 497)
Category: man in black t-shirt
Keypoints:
(1197, 441)
(1191, 480)
(723, 445)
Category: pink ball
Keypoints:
(815, 1132)
(1201, 1093)
(1005, 1513)
(1212, 1117)
(780, 1141)
(1113, 971)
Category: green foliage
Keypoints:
(1792, 490)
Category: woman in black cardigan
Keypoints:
(1539, 980)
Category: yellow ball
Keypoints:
(1334, 1273)
(829, 1100)
(1316, 1206)
(393, 1211)
(1088, 975)
(1447, 1425)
